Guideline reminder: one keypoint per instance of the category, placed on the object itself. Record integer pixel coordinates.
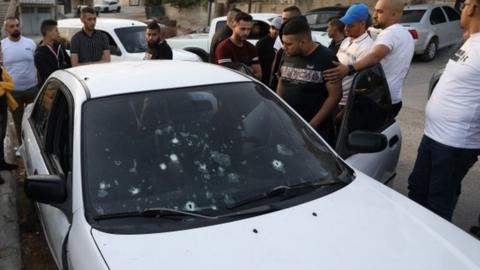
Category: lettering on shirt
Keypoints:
(302, 75)
(460, 56)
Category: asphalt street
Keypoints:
(411, 120)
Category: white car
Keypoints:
(126, 37)
(432, 26)
(107, 6)
(162, 165)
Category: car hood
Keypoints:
(363, 226)
(181, 55)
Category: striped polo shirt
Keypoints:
(89, 48)
(350, 51)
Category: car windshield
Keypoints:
(412, 16)
(132, 38)
(199, 149)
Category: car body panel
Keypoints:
(381, 165)
(366, 235)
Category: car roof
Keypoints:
(106, 23)
(124, 77)
(422, 6)
(256, 16)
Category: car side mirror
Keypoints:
(47, 189)
(366, 142)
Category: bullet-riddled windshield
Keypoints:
(200, 149)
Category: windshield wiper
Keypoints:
(154, 213)
(285, 192)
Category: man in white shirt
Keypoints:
(451, 142)
(393, 48)
(18, 58)
(355, 46)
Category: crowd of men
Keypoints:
(313, 79)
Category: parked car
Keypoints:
(318, 18)
(217, 172)
(126, 37)
(433, 27)
(200, 42)
(107, 6)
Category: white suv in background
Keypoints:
(107, 6)
(126, 38)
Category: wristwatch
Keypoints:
(351, 70)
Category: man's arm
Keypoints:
(105, 56)
(256, 70)
(374, 57)
(280, 87)
(74, 59)
(334, 90)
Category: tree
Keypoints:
(185, 3)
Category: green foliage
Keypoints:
(186, 3)
(151, 3)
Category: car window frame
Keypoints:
(433, 22)
(453, 11)
(50, 162)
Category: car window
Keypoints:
(58, 143)
(452, 14)
(114, 49)
(43, 107)
(412, 16)
(437, 16)
(259, 30)
(196, 149)
(369, 105)
(220, 25)
(132, 38)
(66, 33)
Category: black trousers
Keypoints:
(3, 126)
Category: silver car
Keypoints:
(433, 27)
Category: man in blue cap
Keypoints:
(357, 44)
(393, 48)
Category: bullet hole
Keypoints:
(314, 214)
(255, 231)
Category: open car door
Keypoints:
(369, 112)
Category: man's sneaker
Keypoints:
(4, 166)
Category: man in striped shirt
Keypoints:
(89, 46)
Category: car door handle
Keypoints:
(393, 141)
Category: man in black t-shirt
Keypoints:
(265, 50)
(157, 46)
(301, 83)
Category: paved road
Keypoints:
(411, 120)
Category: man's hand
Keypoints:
(337, 73)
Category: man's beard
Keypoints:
(377, 25)
(15, 34)
(152, 43)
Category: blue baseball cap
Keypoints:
(355, 13)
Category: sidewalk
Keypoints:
(10, 250)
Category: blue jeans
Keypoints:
(435, 181)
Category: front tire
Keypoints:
(431, 50)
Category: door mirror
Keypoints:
(47, 189)
(366, 142)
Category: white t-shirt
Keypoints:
(349, 52)
(453, 111)
(18, 60)
(397, 62)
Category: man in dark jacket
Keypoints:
(265, 50)
(157, 46)
(50, 54)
